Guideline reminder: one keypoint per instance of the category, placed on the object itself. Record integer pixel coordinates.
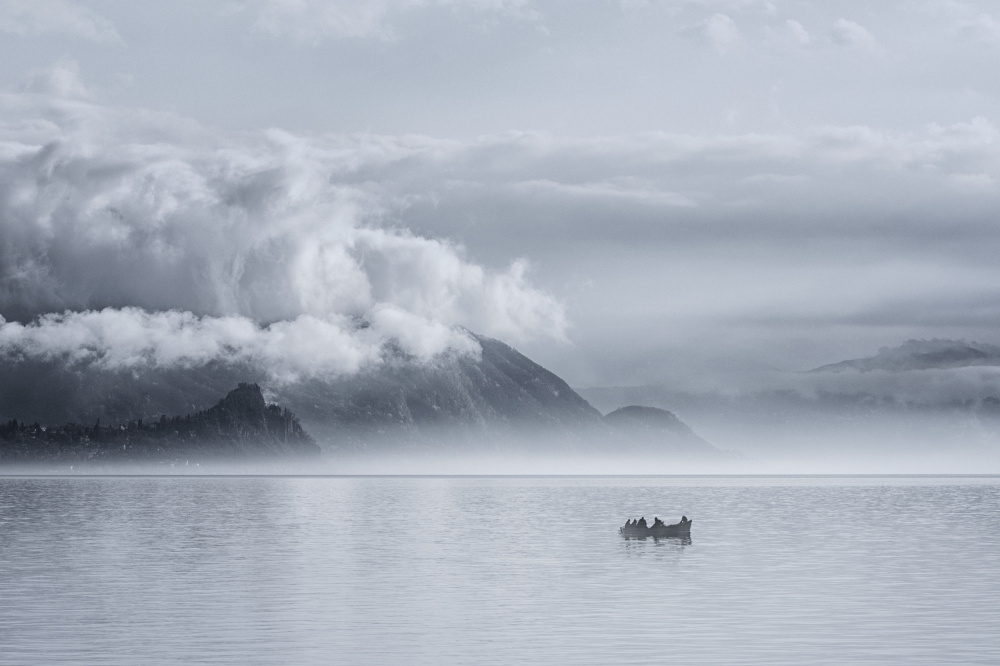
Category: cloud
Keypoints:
(36, 17)
(312, 21)
(693, 172)
(248, 247)
(621, 191)
(721, 32)
(767, 7)
(849, 33)
(797, 32)
(942, 148)
(60, 80)
(305, 347)
(648, 189)
(982, 28)
(107, 207)
(974, 182)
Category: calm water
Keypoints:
(127, 570)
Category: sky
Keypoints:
(629, 191)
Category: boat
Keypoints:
(639, 530)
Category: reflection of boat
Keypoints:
(639, 529)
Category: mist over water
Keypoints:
(918, 421)
(766, 453)
(492, 570)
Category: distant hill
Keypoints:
(922, 355)
(240, 426)
(651, 427)
(641, 418)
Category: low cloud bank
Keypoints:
(305, 347)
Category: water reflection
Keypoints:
(670, 550)
(683, 540)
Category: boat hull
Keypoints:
(677, 530)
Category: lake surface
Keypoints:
(498, 570)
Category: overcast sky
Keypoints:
(630, 191)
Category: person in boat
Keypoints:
(657, 522)
(684, 519)
(642, 522)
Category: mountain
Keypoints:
(501, 393)
(240, 426)
(498, 400)
(922, 355)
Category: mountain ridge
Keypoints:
(937, 353)
(239, 426)
(498, 400)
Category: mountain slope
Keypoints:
(500, 392)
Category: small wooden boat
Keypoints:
(639, 529)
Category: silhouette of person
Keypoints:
(684, 519)
(642, 522)
(657, 522)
